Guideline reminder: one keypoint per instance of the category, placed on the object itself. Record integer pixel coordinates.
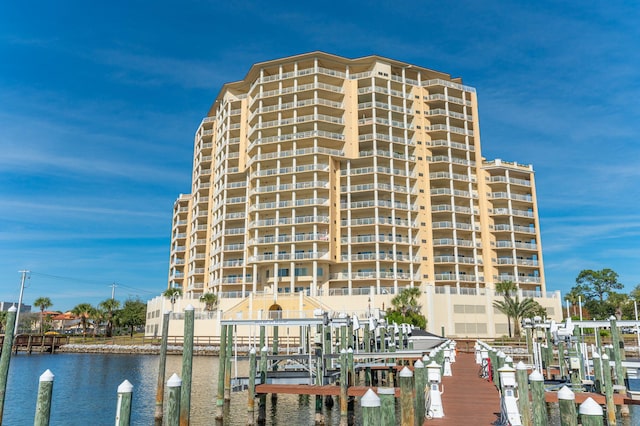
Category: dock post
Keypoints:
(221, 367)
(5, 357)
(173, 404)
(343, 386)
(407, 413)
(262, 337)
(123, 409)
(561, 365)
(567, 402)
(319, 417)
(262, 405)
(387, 406)
(597, 371)
(327, 347)
(43, 406)
(227, 373)
(524, 404)
(251, 394)
(274, 396)
(618, 351)
(367, 337)
(608, 390)
(383, 338)
(537, 393)
(162, 364)
(352, 372)
(187, 365)
(549, 352)
(590, 413)
(419, 381)
(370, 403)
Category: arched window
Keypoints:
(275, 311)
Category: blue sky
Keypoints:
(99, 102)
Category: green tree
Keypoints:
(516, 309)
(598, 284)
(83, 312)
(133, 314)
(172, 294)
(210, 301)
(109, 306)
(43, 303)
(597, 287)
(406, 309)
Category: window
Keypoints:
(300, 272)
(283, 272)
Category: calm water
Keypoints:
(85, 391)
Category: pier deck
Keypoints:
(468, 399)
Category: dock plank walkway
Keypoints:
(467, 399)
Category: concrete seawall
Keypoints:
(136, 349)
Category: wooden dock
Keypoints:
(468, 399)
(37, 342)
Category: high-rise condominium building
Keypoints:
(332, 176)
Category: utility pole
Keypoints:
(113, 290)
(24, 277)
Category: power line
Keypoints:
(85, 281)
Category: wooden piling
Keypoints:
(187, 365)
(618, 351)
(227, 373)
(590, 413)
(536, 381)
(561, 358)
(262, 404)
(173, 404)
(608, 391)
(251, 393)
(567, 403)
(597, 371)
(343, 386)
(407, 412)
(524, 405)
(5, 357)
(123, 409)
(549, 352)
(263, 337)
(352, 371)
(221, 373)
(43, 404)
(162, 363)
(370, 403)
(387, 406)
(419, 381)
(319, 417)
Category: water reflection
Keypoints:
(85, 391)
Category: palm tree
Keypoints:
(109, 305)
(512, 307)
(210, 301)
(98, 315)
(172, 294)
(83, 311)
(506, 288)
(407, 301)
(42, 303)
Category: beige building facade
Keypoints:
(343, 181)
